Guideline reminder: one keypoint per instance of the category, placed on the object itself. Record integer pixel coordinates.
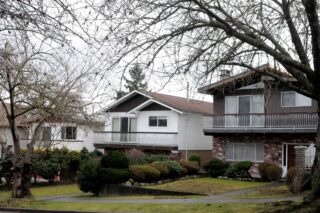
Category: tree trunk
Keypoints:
(22, 174)
(315, 173)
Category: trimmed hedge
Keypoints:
(195, 157)
(88, 179)
(164, 172)
(113, 175)
(144, 173)
(174, 168)
(115, 159)
(192, 167)
(217, 167)
(154, 158)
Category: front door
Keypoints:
(124, 129)
(291, 156)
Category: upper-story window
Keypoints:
(69, 132)
(46, 133)
(160, 121)
(294, 99)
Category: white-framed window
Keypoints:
(294, 99)
(158, 121)
(69, 132)
(46, 133)
(245, 151)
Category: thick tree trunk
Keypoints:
(315, 179)
(22, 174)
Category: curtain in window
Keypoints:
(302, 100)
(245, 151)
(257, 106)
(133, 128)
(231, 107)
(115, 128)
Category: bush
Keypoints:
(240, 169)
(153, 158)
(269, 172)
(46, 169)
(144, 173)
(113, 175)
(297, 180)
(115, 159)
(136, 156)
(88, 179)
(174, 168)
(162, 169)
(217, 167)
(192, 167)
(5, 169)
(195, 157)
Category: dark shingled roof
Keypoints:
(182, 104)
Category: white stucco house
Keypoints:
(55, 134)
(154, 122)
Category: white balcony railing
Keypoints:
(262, 120)
(143, 138)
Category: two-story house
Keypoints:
(259, 119)
(156, 123)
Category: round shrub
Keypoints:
(274, 172)
(195, 157)
(192, 167)
(174, 168)
(269, 172)
(217, 167)
(162, 169)
(88, 179)
(240, 169)
(115, 159)
(113, 175)
(144, 173)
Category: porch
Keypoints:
(143, 140)
(301, 122)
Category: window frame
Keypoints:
(232, 144)
(64, 132)
(295, 99)
(43, 130)
(159, 117)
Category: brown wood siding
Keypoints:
(155, 107)
(129, 104)
(273, 104)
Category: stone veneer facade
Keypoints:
(272, 145)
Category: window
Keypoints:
(245, 151)
(69, 132)
(160, 121)
(46, 133)
(294, 99)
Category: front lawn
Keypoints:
(144, 208)
(207, 185)
(43, 191)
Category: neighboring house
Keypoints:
(259, 119)
(156, 123)
(54, 133)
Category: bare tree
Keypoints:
(201, 36)
(35, 86)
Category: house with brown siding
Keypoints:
(156, 123)
(259, 119)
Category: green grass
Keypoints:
(144, 208)
(49, 190)
(279, 191)
(207, 185)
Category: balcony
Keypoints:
(261, 123)
(143, 140)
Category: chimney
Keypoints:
(224, 74)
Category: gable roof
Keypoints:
(174, 103)
(245, 78)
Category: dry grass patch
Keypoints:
(207, 185)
